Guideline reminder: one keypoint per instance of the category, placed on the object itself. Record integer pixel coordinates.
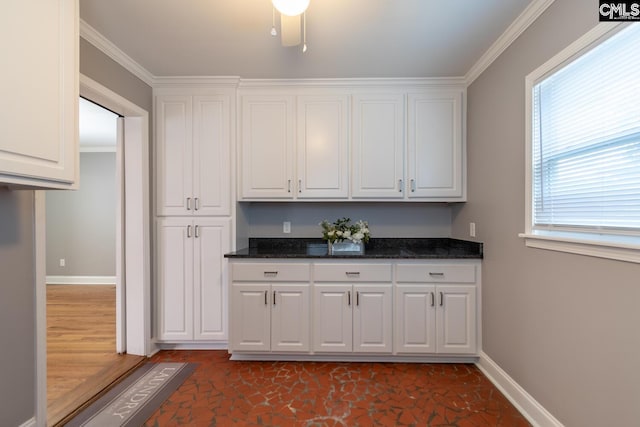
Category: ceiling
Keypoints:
(345, 38)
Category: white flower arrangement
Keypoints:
(342, 230)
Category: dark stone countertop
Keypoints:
(413, 248)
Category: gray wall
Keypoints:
(565, 327)
(81, 225)
(17, 307)
(99, 67)
(385, 219)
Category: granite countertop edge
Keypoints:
(382, 248)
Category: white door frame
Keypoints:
(137, 243)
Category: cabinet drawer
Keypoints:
(352, 272)
(436, 273)
(270, 272)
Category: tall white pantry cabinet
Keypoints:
(193, 159)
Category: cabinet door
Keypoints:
(456, 319)
(322, 147)
(332, 323)
(372, 319)
(211, 155)
(174, 155)
(250, 317)
(267, 147)
(435, 157)
(175, 279)
(290, 317)
(39, 87)
(415, 319)
(378, 146)
(211, 240)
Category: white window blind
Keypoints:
(586, 140)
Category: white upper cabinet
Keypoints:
(353, 142)
(193, 155)
(267, 147)
(378, 146)
(39, 87)
(294, 147)
(434, 142)
(323, 147)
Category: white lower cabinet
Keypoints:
(269, 315)
(374, 309)
(352, 318)
(432, 317)
(192, 273)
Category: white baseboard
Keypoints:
(29, 423)
(81, 280)
(534, 412)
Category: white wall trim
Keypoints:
(81, 280)
(91, 35)
(29, 423)
(533, 411)
(517, 27)
(97, 148)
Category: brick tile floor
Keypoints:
(317, 394)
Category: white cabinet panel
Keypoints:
(211, 155)
(456, 319)
(192, 300)
(251, 317)
(211, 242)
(378, 146)
(415, 319)
(332, 318)
(175, 280)
(267, 147)
(434, 136)
(322, 147)
(372, 319)
(39, 87)
(290, 317)
(174, 155)
(193, 155)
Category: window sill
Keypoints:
(622, 248)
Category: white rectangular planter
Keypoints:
(345, 248)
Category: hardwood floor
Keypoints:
(81, 348)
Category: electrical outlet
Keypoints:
(286, 227)
(472, 229)
(62, 262)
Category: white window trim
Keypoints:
(623, 248)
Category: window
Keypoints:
(583, 135)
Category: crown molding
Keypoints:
(438, 82)
(91, 35)
(517, 27)
(200, 81)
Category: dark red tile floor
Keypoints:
(225, 393)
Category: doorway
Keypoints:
(85, 349)
(135, 239)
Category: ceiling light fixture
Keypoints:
(291, 12)
(291, 7)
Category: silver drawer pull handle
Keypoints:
(441, 299)
(352, 273)
(432, 274)
(270, 273)
(349, 298)
(188, 203)
(265, 297)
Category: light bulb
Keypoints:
(291, 7)
(273, 31)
